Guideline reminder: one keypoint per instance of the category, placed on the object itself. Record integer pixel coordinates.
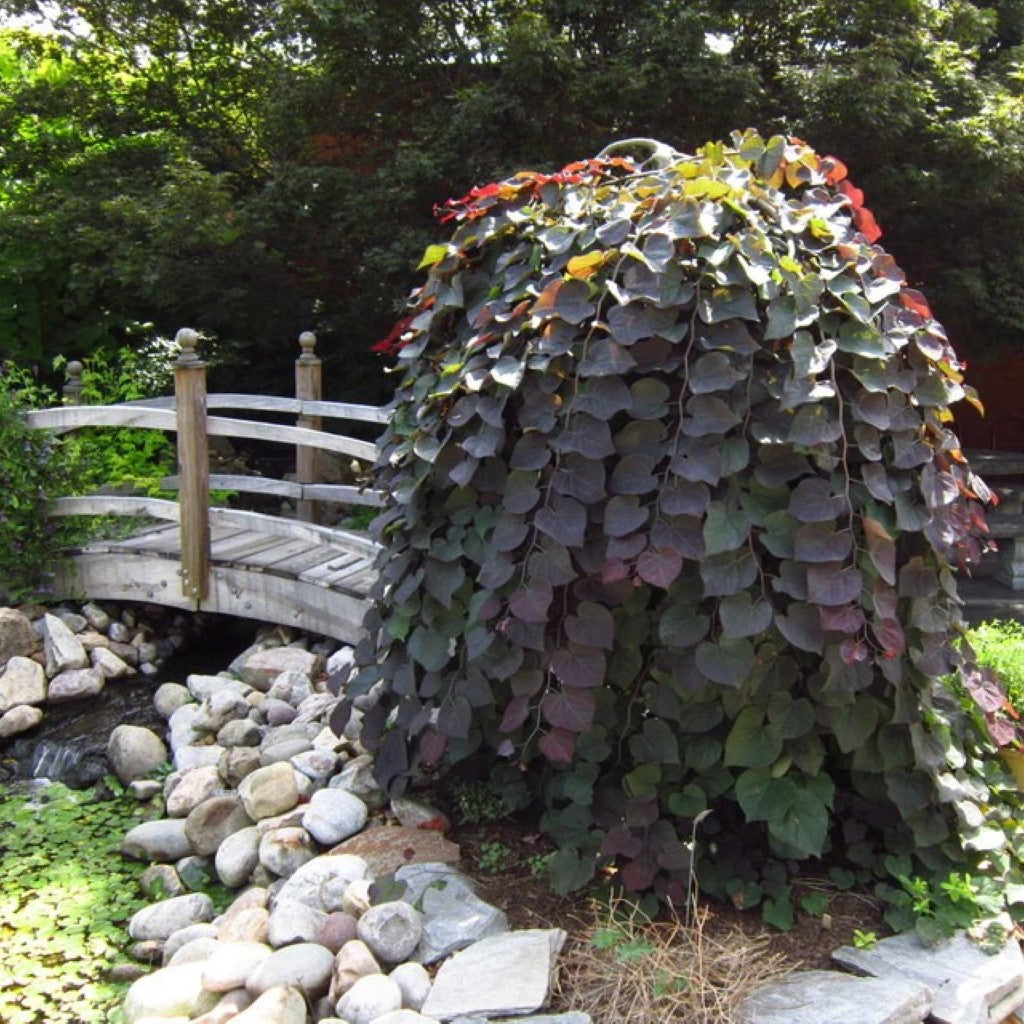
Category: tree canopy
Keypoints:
(257, 168)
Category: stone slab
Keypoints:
(966, 982)
(390, 847)
(828, 997)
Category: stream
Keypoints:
(70, 743)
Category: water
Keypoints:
(70, 743)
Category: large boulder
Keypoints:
(64, 651)
(22, 682)
(17, 637)
(173, 992)
(134, 752)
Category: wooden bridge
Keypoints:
(191, 555)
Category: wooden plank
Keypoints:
(313, 557)
(323, 572)
(309, 387)
(273, 403)
(225, 546)
(193, 467)
(245, 484)
(257, 543)
(70, 417)
(988, 463)
(260, 523)
(282, 550)
(115, 505)
(164, 541)
(131, 577)
(344, 494)
(224, 427)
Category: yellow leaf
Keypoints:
(586, 265)
(434, 254)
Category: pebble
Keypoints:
(75, 684)
(209, 824)
(185, 936)
(308, 882)
(352, 962)
(391, 931)
(292, 921)
(284, 850)
(278, 1005)
(161, 881)
(305, 966)
(197, 950)
(334, 815)
(249, 925)
(269, 791)
(369, 998)
(191, 756)
(169, 992)
(162, 840)
(231, 963)
(414, 982)
(190, 788)
(19, 719)
(134, 752)
(237, 857)
(161, 920)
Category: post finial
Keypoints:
(72, 389)
(187, 340)
(307, 342)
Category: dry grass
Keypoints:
(626, 969)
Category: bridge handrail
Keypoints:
(185, 414)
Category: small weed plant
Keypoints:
(66, 895)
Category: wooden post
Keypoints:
(308, 387)
(72, 389)
(193, 467)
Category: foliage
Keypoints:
(260, 168)
(999, 646)
(66, 895)
(478, 802)
(34, 466)
(674, 501)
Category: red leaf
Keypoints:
(865, 222)
(834, 169)
(853, 651)
(855, 195)
(516, 713)
(558, 746)
(889, 634)
(659, 566)
(638, 875)
(913, 299)
(432, 746)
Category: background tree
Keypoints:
(263, 167)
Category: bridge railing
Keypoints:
(186, 414)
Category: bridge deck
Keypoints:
(317, 584)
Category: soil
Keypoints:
(501, 856)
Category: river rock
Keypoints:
(290, 819)
(269, 791)
(291, 687)
(169, 697)
(194, 951)
(73, 620)
(305, 966)
(190, 788)
(390, 930)
(17, 637)
(249, 925)
(240, 732)
(95, 616)
(19, 719)
(236, 763)
(414, 983)
(292, 921)
(369, 998)
(357, 777)
(182, 727)
(163, 840)
(284, 850)
(145, 789)
(194, 871)
(277, 748)
(967, 985)
(219, 708)
(278, 712)
(203, 686)
(163, 919)
(337, 929)
(169, 992)
(23, 682)
(352, 962)
(308, 883)
(262, 668)
(501, 975)
(194, 756)
(185, 936)
(64, 651)
(279, 1005)
(119, 632)
(134, 752)
(828, 997)
(316, 765)
(387, 848)
(109, 664)
(228, 1007)
(161, 881)
(237, 857)
(231, 964)
(420, 815)
(75, 684)
(209, 824)
(315, 708)
(334, 815)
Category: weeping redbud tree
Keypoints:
(673, 504)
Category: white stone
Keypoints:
(263, 667)
(64, 651)
(357, 777)
(75, 684)
(181, 723)
(169, 992)
(169, 697)
(307, 883)
(269, 791)
(228, 1007)
(134, 752)
(305, 965)
(355, 897)
(292, 921)
(414, 981)
(232, 963)
(369, 998)
(23, 682)
(501, 975)
(18, 720)
(185, 937)
(194, 951)
(190, 756)
(390, 930)
(220, 708)
(109, 664)
(190, 788)
(237, 857)
(161, 920)
(284, 850)
(275, 747)
(278, 1005)
(95, 616)
(201, 686)
(162, 840)
(828, 997)
(209, 824)
(405, 1016)
(334, 815)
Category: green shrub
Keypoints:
(674, 502)
(999, 645)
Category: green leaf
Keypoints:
(688, 802)
(803, 825)
(752, 742)
(727, 662)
